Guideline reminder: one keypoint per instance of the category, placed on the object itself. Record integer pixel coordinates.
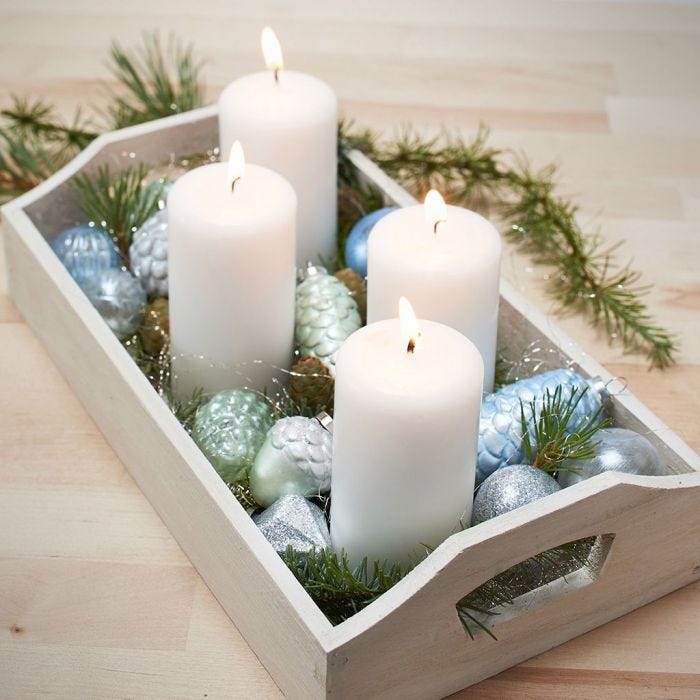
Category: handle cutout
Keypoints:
(533, 583)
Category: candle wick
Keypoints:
(233, 183)
(437, 223)
(411, 345)
(277, 75)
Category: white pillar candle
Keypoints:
(288, 122)
(231, 276)
(446, 260)
(404, 439)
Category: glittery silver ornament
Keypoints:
(119, 298)
(617, 450)
(325, 315)
(295, 458)
(85, 251)
(230, 429)
(500, 428)
(508, 489)
(148, 254)
(292, 520)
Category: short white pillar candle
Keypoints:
(404, 439)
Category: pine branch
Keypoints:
(119, 203)
(154, 82)
(556, 436)
(37, 118)
(587, 279)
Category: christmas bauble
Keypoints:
(85, 251)
(311, 386)
(508, 489)
(616, 450)
(155, 327)
(119, 298)
(294, 521)
(230, 429)
(294, 459)
(148, 254)
(356, 242)
(325, 315)
(500, 428)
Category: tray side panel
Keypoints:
(241, 569)
(420, 650)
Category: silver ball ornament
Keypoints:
(85, 251)
(148, 254)
(325, 315)
(509, 488)
(230, 429)
(294, 521)
(294, 459)
(119, 298)
(617, 450)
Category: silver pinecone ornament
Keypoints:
(294, 459)
(500, 428)
(325, 315)
(148, 254)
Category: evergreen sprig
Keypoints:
(341, 590)
(120, 202)
(153, 81)
(587, 279)
(556, 435)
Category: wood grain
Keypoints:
(607, 90)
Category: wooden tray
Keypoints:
(409, 643)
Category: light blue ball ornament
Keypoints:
(85, 251)
(120, 299)
(356, 242)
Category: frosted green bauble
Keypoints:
(230, 429)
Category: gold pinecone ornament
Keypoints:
(358, 289)
(311, 386)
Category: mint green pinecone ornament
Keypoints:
(230, 429)
(325, 315)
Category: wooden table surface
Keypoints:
(96, 598)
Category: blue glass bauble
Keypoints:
(85, 251)
(500, 427)
(356, 242)
(120, 299)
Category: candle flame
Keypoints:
(435, 209)
(272, 51)
(236, 164)
(409, 324)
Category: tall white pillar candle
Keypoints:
(446, 260)
(231, 276)
(404, 439)
(288, 122)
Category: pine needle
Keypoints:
(153, 82)
(120, 203)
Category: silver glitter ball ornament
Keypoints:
(500, 428)
(509, 488)
(230, 429)
(617, 450)
(85, 251)
(148, 254)
(325, 315)
(119, 298)
(295, 458)
(294, 521)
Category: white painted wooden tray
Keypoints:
(409, 643)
